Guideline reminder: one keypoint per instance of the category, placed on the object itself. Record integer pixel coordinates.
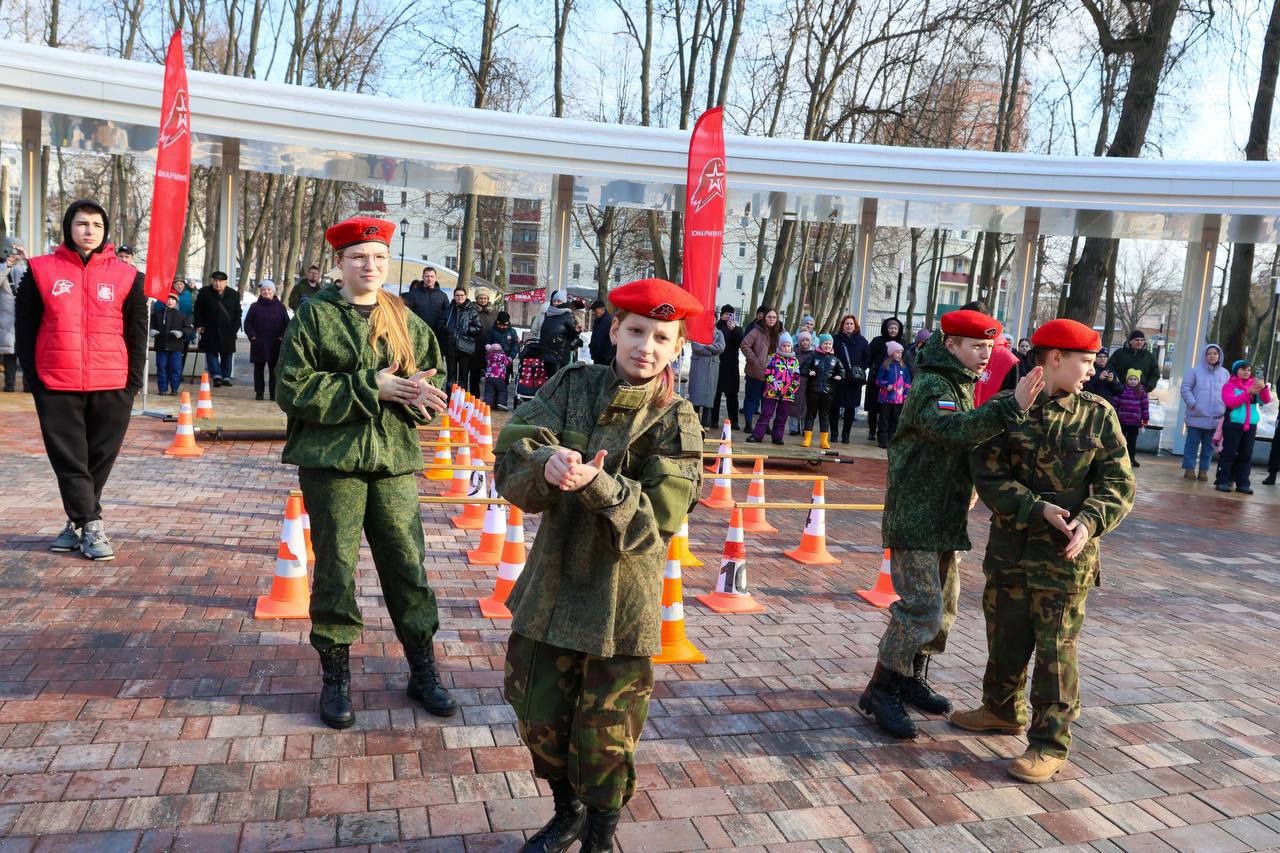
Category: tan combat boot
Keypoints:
(982, 720)
(808, 438)
(1035, 766)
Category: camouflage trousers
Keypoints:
(929, 585)
(1022, 622)
(385, 509)
(580, 716)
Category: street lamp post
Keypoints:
(404, 232)
(897, 296)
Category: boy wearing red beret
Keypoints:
(926, 510)
(1055, 482)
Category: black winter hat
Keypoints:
(503, 317)
(77, 206)
(1137, 333)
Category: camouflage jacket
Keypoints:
(593, 579)
(926, 503)
(1070, 452)
(327, 385)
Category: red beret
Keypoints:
(359, 229)
(1066, 335)
(656, 298)
(971, 324)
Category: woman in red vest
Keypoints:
(81, 327)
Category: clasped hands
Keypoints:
(569, 473)
(413, 391)
(1075, 530)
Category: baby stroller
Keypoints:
(531, 372)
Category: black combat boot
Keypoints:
(600, 829)
(424, 681)
(565, 826)
(335, 696)
(882, 702)
(917, 692)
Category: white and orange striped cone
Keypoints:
(460, 485)
(442, 461)
(676, 647)
(455, 402)
(882, 593)
(753, 520)
(204, 402)
(472, 515)
(730, 594)
(184, 439)
(687, 558)
(813, 542)
(485, 437)
(726, 447)
(492, 535)
(509, 568)
(721, 496)
(306, 534)
(469, 419)
(290, 597)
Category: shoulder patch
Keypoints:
(947, 406)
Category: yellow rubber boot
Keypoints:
(808, 438)
(822, 441)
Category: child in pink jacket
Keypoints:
(1242, 394)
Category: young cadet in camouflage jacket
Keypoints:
(586, 609)
(926, 506)
(1055, 483)
(352, 431)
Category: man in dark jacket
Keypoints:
(304, 290)
(601, 348)
(462, 351)
(217, 319)
(430, 303)
(730, 374)
(170, 328)
(84, 374)
(504, 336)
(1134, 355)
(559, 336)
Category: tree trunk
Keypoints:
(289, 269)
(935, 271)
(1109, 322)
(911, 289)
(466, 251)
(1035, 285)
(1216, 333)
(970, 286)
(755, 279)
(1235, 315)
(781, 263)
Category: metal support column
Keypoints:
(558, 234)
(226, 243)
(32, 229)
(1018, 316)
(860, 284)
(1193, 325)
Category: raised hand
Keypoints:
(558, 467)
(1029, 387)
(429, 396)
(581, 475)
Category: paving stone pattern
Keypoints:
(143, 708)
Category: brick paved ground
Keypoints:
(143, 707)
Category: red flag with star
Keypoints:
(704, 203)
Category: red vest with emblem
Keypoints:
(80, 345)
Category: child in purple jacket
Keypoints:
(781, 379)
(1134, 410)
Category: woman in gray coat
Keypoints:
(1202, 396)
(6, 334)
(704, 373)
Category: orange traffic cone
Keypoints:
(184, 439)
(509, 568)
(813, 542)
(485, 435)
(204, 402)
(753, 520)
(687, 558)
(730, 594)
(442, 457)
(676, 647)
(882, 594)
(306, 534)
(455, 401)
(726, 447)
(460, 485)
(492, 535)
(289, 597)
(472, 515)
(721, 490)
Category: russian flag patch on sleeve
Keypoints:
(946, 406)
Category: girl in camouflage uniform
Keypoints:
(586, 609)
(357, 374)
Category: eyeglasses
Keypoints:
(368, 260)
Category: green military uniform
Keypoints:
(357, 459)
(1070, 452)
(926, 505)
(586, 609)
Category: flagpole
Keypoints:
(146, 371)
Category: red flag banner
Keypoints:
(173, 174)
(704, 199)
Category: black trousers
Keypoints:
(259, 368)
(1130, 433)
(727, 388)
(1236, 458)
(82, 435)
(817, 405)
(1273, 458)
(872, 405)
(10, 370)
(464, 370)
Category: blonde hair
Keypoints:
(667, 378)
(389, 322)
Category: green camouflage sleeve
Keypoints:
(315, 396)
(960, 429)
(1111, 479)
(993, 477)
(646, 511)
(526, 443)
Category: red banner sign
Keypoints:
(173, 174)
(539, 295)
(704, 200)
